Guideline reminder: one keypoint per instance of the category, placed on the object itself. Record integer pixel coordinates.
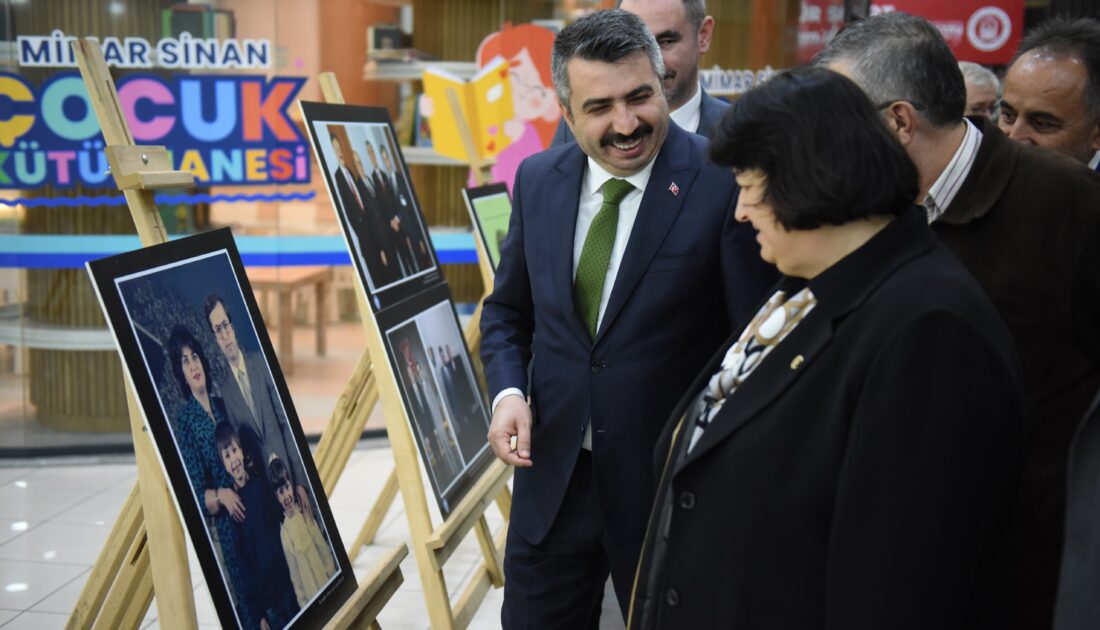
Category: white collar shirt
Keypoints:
(947, 185)
(688, 114)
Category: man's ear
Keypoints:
(1094, 139)
(566, 114)
(901, 118)
(706, 31)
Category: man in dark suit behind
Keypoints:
(391, 208)
(1026, 223)
(623, 254)
(683, 31)
(251, 398)
(405, 209)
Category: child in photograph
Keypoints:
(271, 596)
(308, 556)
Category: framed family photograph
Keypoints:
(490, 210)
(226, 432)
(370, 189)
(440, 391)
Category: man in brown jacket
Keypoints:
(1026, 223)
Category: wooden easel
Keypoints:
(369, 383)
(147, 538)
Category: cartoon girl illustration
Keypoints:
(527, 48)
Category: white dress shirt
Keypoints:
(687, 115)
(1095, 161)
(947, 185)
(590, 202)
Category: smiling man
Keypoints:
(1052, 89)
(622, 252)
(683, 31)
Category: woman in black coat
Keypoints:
(848, 459)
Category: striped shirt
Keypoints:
(947, 185)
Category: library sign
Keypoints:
(223, 128)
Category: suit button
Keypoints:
(595, 367)
(687, 500)
(672, 598)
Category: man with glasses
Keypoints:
(1026, 223)
(251, 398)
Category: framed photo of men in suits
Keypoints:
(215, 402)
(440, 392)
(370, 189)
(490, 210)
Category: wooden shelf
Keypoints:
(428, 156)
(414, 70)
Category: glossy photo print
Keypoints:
(371, 193)
(490, 210)
(214, 399)
(441, 395)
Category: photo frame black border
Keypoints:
(327, 113)
(396, 316)
(104, 272)
(470, 195)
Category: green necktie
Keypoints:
(596, 253)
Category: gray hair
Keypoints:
(979, 75)
(695, 10)
(901, 57)
(608, 36)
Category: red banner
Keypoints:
(818, 21)
(982, 31)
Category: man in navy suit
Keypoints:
(683, 31)
(619, 338)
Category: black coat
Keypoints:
(862, 476)
(1026, 223)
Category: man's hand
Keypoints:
(512, 420)
(231, 501)
(303, 500)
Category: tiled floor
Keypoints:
(55, 517)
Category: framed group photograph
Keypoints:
(228, 438)
(370, 189)
(440, 391)
(490, 210)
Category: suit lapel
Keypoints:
(660, 206)
(779, 370)
(562, 208)
(255, 384)
(840, 289)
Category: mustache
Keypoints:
(644, 129)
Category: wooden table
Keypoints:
(285, 281)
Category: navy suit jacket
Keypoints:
(710, 112)
(689, 271)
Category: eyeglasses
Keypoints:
(223, 328)
(916, 105)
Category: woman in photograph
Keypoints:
(195, 423)
(848, 459)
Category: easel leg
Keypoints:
(348, 419)
(504, 502)
(132, 591)
(168, 558)
(377, 513)
(107, 565)
(493, 562)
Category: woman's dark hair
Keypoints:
(278, 474)
(224, 435)
(180, 337)
(827, 154)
